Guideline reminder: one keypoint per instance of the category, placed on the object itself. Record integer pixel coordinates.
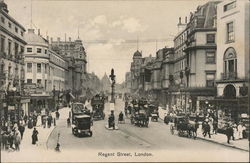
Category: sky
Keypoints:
(109, 29)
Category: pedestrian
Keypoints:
(17, 141)
(34, 120)
(30, 124)
(49, 121)
(240, 130)
(206, 130)
(5, 140)
(215, 126)
(11, 139)
(229, 132)
(235, 131)
(21, 129)
(25, 118)
(34, 136)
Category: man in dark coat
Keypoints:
(34, 136)
(21, 129)
(206, 129)
(229, 132)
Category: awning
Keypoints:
(72, 96)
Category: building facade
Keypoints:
(45, 72)
(13, 101)
(75, 54)
(232, 78)
(135, 71)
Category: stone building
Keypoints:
(135, 71)
(13, 101)
(45, 71)
(75, 54)
(232, 78)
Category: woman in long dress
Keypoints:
(39, 120)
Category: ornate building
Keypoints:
(13, 102)
(45, 71)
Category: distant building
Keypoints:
(106, 84)
(128, 82)
(11, 66)
(135, 71)
(232, 79)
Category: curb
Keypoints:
(49, 136)
(226, 145)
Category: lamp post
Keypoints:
(54, 96)
(112, 76)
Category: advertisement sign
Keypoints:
(11, 107)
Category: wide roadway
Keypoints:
(156, 137)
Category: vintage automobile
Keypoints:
(77, 109)
(82, 126)
(97, 103)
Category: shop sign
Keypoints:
(11, 107)
(203, 98)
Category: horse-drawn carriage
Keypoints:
(97, 103)
(183, 126)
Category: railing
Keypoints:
(229, 76)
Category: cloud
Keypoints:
(132, 25)
(100, 20)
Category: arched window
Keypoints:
(230, 64)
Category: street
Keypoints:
(129, 137)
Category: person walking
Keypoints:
(206, 130)
(240, 130)
(235, 131)
(229, 132)
(11, 139)
(21, 129)
(34, 136)
(215, 126)
(17, 141)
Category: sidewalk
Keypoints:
(218, 138)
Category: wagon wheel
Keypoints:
(90, 133)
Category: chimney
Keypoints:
(38, 32)
(179, 20)
(31, 31)
(186, 20)
(69, 39)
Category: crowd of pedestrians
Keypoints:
(12, 133)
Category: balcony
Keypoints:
(229, 76)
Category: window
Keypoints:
(2, 20)
(210, 57)
(9, 48)
(39, 68)
(229, 6)
(29, 81)
(21, 33)
(29, 67)
(230, 32)
(39, 50)
(39, 81)
(2, 44)
(29, 50)
(16, 29)
(22, 49)
(45, 68)
(45, 51)
(9, 25)
(210, 38)
(210, 79)
(16, 49)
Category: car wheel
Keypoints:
(90, 133)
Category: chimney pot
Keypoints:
(179, 20)
(186, 20)
(38, 32)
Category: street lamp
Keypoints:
(112, 76)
